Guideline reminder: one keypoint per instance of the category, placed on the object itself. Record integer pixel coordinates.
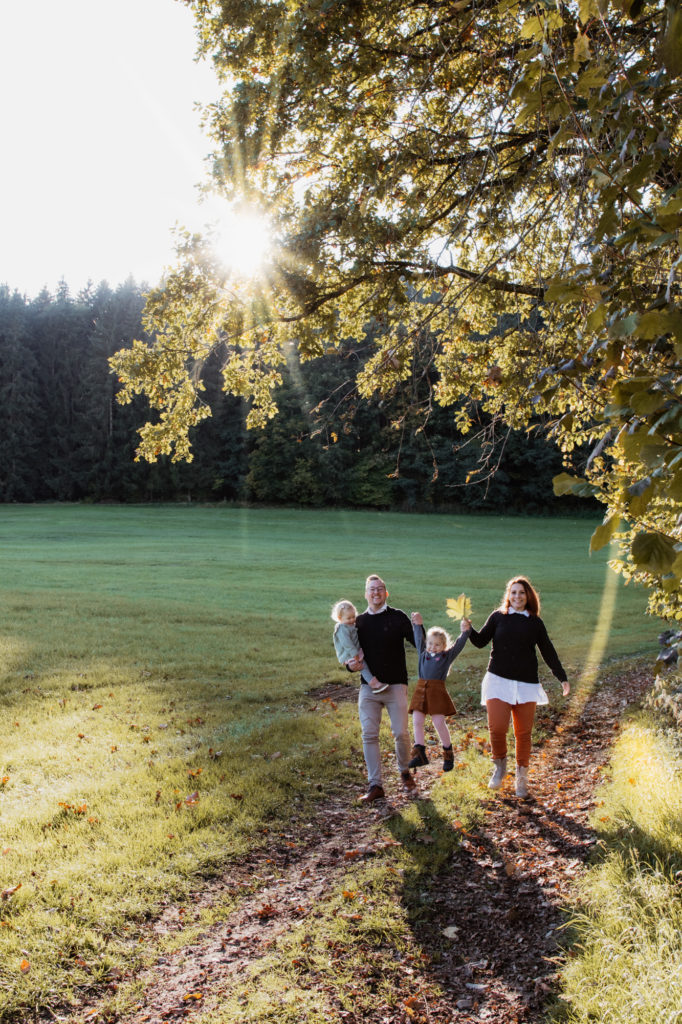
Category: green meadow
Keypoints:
(155, 706)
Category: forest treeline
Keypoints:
(64, 437)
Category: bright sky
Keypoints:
(101, 145)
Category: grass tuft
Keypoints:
(626, 930)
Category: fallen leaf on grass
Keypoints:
(266, 911)
(96, 707)
(192, 799)
(451, 932)
(24, 966)
(192, 995)
(6, 893)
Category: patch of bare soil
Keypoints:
(489, 928)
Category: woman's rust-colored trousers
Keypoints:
(523, 715)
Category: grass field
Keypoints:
(153, 709)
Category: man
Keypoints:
(382, 632)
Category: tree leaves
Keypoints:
(458, 608)
(653, 552)
(671, 44)
(434, 201)
(604, 533)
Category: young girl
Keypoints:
(436, 655)
(346, 642)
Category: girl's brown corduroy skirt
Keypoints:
(431, 698)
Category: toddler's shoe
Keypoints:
(418, 756)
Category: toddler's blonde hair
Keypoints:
(343, 606)
(436, 631)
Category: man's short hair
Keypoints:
(374, 579)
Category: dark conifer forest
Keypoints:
(64, 436)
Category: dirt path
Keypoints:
(517, 869)
(500, 896)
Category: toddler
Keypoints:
(346, 642)
(436, 655)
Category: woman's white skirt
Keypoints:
(511, 690)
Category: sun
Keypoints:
(241, 241)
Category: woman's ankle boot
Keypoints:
(499, 773)
(448, 758)
(522, 781)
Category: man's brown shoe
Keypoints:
(407, 780)
(373, 793)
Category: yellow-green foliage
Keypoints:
(626, 964)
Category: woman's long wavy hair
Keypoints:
(532, 596)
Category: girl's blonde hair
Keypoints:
(343, 606)
(437, 631)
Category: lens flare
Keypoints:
(602, 628)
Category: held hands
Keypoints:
(417, 619)
(354, 665)
(465, 626)
(566, 688)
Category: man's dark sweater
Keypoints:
(514, 640)
(382, 639)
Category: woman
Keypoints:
(510, 686)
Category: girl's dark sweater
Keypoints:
(382, 639)
(515, 638)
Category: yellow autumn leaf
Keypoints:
(458, 608)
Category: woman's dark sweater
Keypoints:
(382, 639)
(515, 638)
